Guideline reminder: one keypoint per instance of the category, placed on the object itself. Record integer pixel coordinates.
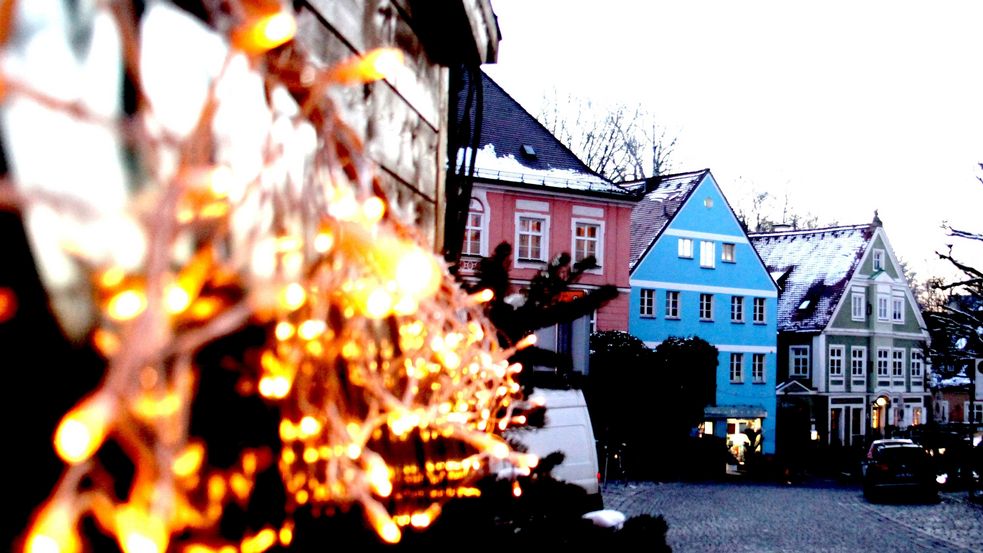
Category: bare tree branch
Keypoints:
(619, 141)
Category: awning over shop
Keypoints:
(734, 412)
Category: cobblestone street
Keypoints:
(816, 516)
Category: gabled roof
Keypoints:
(650, 216)
(515, 148)
(793, 387)
(816, 266)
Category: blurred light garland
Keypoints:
(391, 387)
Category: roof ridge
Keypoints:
(681, 174)
(807, 231)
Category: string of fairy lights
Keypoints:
(391, 387)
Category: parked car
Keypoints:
(896, 466)
(568, 430)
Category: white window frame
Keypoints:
(684, 248)
(598, 242)
(706, 307)
(737, 309)
(476, 208)
(708, 254)
(544, 243)
(763, 311)
(976, 415)
(672, 304)
(917, 364)
(728, 252)
(858, 306)
(944, 408)
(758, 368)
(736, 368)
(897, 309)
(798, 353)
(883, 362)
(897, 363)
(858, 361)
(646, 303)
(878, 262)
(837, 355)
(883, 304)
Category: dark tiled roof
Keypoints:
(666, 194)
(515, 147)
(812, 269)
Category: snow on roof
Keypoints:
(489, 164)
(657, 208)
(819, 264)
(514, 147)
(957, 381)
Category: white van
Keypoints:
(567, 429)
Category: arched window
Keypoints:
(473, 229)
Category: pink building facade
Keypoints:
(512, 181)
(558, 222)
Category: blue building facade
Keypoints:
(694, 272)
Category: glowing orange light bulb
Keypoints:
(265, 32)
(483, 296)
(378, 303)
(417, 273)
(8, 304)
(126, 305)
(373, 209)
(83, 429)
(137, 531)
(293, 296)
(54, 531)
(189, 461)
(377, 64)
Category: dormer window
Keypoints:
(528, 151)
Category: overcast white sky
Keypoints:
(846, 107)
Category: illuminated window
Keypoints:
(473, 229)
(836, 361)
(737, 309)
(685, 248)
(706, 307)
(647, 303)
(587, 240)
(672, 304)
(531, 233)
